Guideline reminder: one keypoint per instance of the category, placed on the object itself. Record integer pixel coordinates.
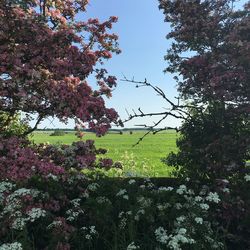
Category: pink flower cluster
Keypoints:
(45, 64)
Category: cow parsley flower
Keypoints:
(93, 187)
(204, 206)
(11, 246)
(103, 199)
(165, 189)
(161, 235)
(132, 246)
(198, 198)
(125, 197)
(198, 220)
(121, 192)
(131, 181)
(213, 197)
(180, 219)
(36, 213)
(247, 177)
(182, 189)
(19, 223)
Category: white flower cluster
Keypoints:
(161, 235)
(181, 190)
(123, 193)
(173, 241)
(11, 246)
(122, 214)
(139, 212)
(132, 181)
(144, 202)
(32, 215)
(53, 177)
(54, 224)
(103, 199)
(89, 232)
(188, 222)
(163, 189)
(198, 220)
(93, 187)
(35, 213)
(247, 177)
(204, 206)
(73, 214)
(13, 208)
(213, 197)
(5, 187)
(179, 238)
(75, 202)
(132, 246)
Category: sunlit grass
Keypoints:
(140, 160)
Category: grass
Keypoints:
(142, 160)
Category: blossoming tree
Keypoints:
(46, 58)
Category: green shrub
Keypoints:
(58, 133)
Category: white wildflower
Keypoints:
(180, 219)
(55, 224)
(226, 190)
(161, 235)
(121, 192)
(132, 246)
(204, 206)
(93, 187)
(161, 189)
(36, 213)
(144, 202)
(182, 189)
(198, 220)
(125, 197)
(121, 214)
(131, 181)
(213, 197)
(103, 199)
(76, 202)
(198, 198)
(11, 246)
(247, 177)
(53, 177)
(19, 223)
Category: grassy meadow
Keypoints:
(143, 159)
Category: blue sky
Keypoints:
(142, 31)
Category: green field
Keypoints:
(142, 160)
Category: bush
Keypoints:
(58, 133)
(67, 211)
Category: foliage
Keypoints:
(209, 56)
(108, 214)
(210, 59)
(15, 125)
(211, 146)
(46, 57)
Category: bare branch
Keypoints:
(176, 110)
